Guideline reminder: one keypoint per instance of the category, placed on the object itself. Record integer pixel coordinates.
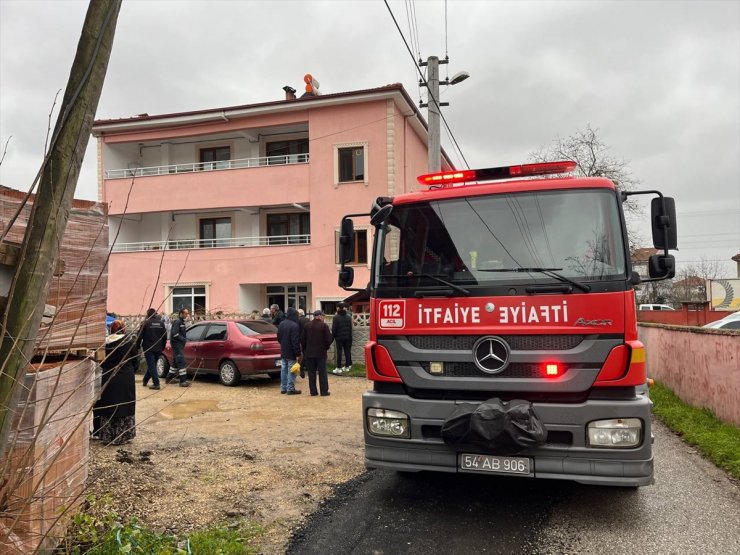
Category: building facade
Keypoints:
(233, 209)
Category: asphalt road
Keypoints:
(692, 508)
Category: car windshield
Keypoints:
(504, 238)
(255, 327)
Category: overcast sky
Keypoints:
(659, 80)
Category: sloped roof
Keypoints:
(640, 256)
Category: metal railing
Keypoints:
(230, 243)
(239, 163)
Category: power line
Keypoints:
(418, 69)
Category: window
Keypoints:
(285, 229)
(216, 332)
(195, 333)
(286, 152)
(216, 158)
(351, 164)
(215, 232)
(360, 247)
(192, 298)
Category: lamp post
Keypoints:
(434, 148)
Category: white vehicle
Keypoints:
(730, 322)
(655, 307)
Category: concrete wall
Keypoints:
(701, 366)
(690, 314)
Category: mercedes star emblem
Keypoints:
(491, 354)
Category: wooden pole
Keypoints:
(48, 219)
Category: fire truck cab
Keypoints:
(503, 327)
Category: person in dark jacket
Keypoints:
(315, 341)
(153, 340)
(114, 413)
(290, 351)
(302, 321)
(266, 316)
(341, 330)
(277, 315)
(178, 338)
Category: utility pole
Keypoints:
(434, 143)
(434, 146)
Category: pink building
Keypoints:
(236, 208)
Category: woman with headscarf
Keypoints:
(114, 414)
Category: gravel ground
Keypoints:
(211, 453)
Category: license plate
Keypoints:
(495, 464)
(278, 363)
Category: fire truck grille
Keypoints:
(516, 342)
(470, 370)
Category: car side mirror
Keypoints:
(663, 221)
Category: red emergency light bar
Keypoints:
(490, 174)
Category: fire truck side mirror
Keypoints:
(346, 277)
(663, 220)
(381, 215)
(662, 266)
(346, 241)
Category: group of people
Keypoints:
(307, 342)
(301, 340)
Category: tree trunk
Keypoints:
(48, 218)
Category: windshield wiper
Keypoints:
(457, 288)
(552, 272)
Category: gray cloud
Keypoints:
(660, 80)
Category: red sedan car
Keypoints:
(230, 348)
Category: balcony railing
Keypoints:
(239, 163)
(234, 242)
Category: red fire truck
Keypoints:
(503, 326)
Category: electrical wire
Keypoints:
(447, 71)
(418, 69)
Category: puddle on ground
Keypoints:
(186, 409)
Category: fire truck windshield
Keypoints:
(495, 239)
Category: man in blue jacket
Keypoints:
(290, 350)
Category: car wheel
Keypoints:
(163, 366)
(228, 373)
(274, 375)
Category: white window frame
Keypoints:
(365, 158)
(169, 286)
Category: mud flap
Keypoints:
(494, 425)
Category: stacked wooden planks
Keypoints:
(77, 295)
(44, 475)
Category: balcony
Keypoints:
(230, 243)
(240, 163)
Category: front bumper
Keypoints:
(562, 459)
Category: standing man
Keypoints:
(290, 351)
(341, 330)
(153, 339)
(266, 316)
(277, 315)
(178, 340)
(302, 321)
(316, 340)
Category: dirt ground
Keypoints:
(226, 453)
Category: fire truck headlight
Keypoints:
(388, 423)
(615, 433)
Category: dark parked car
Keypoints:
(232, 349)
